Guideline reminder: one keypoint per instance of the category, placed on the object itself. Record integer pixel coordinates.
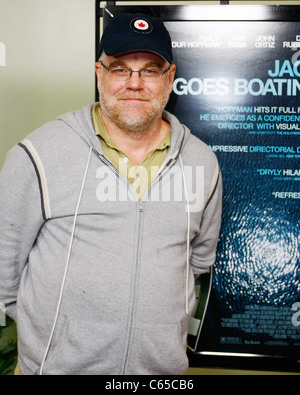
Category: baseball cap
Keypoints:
(136, 32)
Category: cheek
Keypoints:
(156, 91)
(111, 88)
(115, 87)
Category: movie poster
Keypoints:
(237, 87)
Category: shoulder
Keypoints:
(49, 133)
(199, 152)
(66, 134)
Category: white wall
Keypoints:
(50, 47)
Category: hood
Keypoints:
(81, 122)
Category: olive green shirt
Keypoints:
(140, 177)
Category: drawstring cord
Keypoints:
(67, 265)
(187, 239)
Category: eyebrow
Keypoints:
(149, 64)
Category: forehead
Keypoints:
(141, 57)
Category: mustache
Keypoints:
(133, 97)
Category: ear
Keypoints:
(98, 73)
(171, 77)
(98, 70)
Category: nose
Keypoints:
(135, 82)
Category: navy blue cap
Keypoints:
(136, 32)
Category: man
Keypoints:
(106, 216)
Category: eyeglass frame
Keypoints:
(135, 71)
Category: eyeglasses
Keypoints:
(148, 74)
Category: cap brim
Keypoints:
(129, 46)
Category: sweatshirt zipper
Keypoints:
(133, 299)
(136, 267)
(129, 331)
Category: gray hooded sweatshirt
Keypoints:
(98, 281)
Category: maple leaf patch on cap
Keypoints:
(139, 25)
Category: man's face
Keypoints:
(134, 105)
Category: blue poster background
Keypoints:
(237, 87)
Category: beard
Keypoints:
(134, 118)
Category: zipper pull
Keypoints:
(141, 207)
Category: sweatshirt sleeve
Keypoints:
(204, 245)
(21, 217)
